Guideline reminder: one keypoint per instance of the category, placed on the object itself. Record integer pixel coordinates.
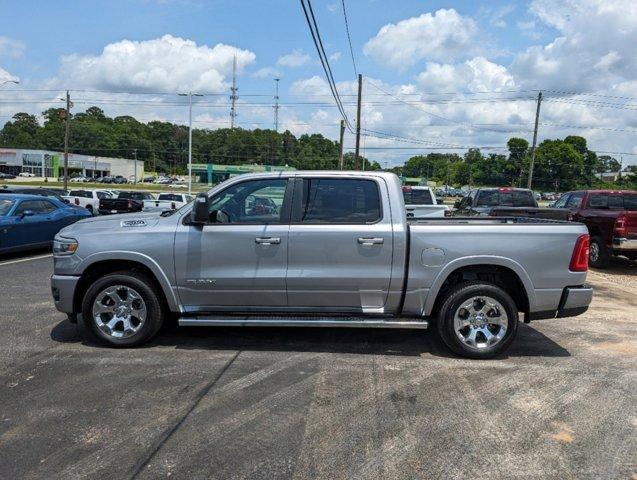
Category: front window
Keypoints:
(252, 202)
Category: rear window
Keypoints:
(329, 200)
(173, 197)
(509, 198)
(80, 193)
(417, 197)
(613, 202)
(134, 196)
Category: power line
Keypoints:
(349, 38)
(323, 58)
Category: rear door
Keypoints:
(340, 245)
(36, 228)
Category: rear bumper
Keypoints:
(623, 244)
(574, 301)
(63, 291)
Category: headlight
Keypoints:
(64, 246)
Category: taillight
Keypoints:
(620, 226)
(77, 201)
(173, 206)
(130, 204)
(579, 260)
(570, 217)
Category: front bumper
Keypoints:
(623, 244)
(63, 291)
(574, 301)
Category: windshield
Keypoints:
(5, 206)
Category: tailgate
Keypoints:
(424, 211)
(631, 224)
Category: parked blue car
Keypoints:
(31, 221)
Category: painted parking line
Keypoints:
(20, 260)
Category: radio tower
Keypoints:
(276, 105)
(233, 96)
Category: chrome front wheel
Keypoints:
(480, 322)
(119, 311)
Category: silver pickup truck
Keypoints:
(331, 249)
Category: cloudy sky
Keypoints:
(438, 75)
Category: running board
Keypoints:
(297, 321)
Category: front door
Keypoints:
(340, 245)
(238, 261)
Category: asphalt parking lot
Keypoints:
(308, 403)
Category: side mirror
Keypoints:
(27, 213)
(200, 213)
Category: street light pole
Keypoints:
(190, 95)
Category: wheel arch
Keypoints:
(104, 263)
(504, 272)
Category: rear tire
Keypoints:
(477, 320)
(598, 254)
(123, 309)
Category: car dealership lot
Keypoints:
(315, 403)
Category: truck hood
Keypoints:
(122, 222)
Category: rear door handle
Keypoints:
(267, 240)
(371, 241)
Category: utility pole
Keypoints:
(537, 119)
(67, 125)
(340, 146)
(276, 105)
(190, 95)
(358, 121)
(135, 157)
(233, 90)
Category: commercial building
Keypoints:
(212, 173)
(47, 163)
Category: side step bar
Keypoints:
(298, 321)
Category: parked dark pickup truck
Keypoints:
(505, 202)
(126, 202)
(611, 218)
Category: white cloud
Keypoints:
(332, 7)
(475, 75)
(334, 57)
(442, 36)
(267, 72)
(594, 46)
(11, 48)
(163, 64)
(499, 14)
(4, 76)
(295, 59)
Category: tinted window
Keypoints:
(5, 206)
(101, 195)
(522, 198)
(253, 202)
(173, 197)
(575, 200)
(563, 200)
(598, 200)
(616, 202)
(630, 202)
(36, 206)
(417, 197)
(513, 198)
(329, 200)
(134, 195)
(488, 198)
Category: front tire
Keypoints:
(123, 309)
(477, 320)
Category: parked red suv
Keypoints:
(611, 218)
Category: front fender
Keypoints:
(145, 260)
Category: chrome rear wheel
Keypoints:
(480, 322)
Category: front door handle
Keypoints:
(371, 240)
(267, 240)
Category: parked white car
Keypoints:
(167, 201)
(89, 199)
(420, 202)
(26, 174)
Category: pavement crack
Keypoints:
(165, 436)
